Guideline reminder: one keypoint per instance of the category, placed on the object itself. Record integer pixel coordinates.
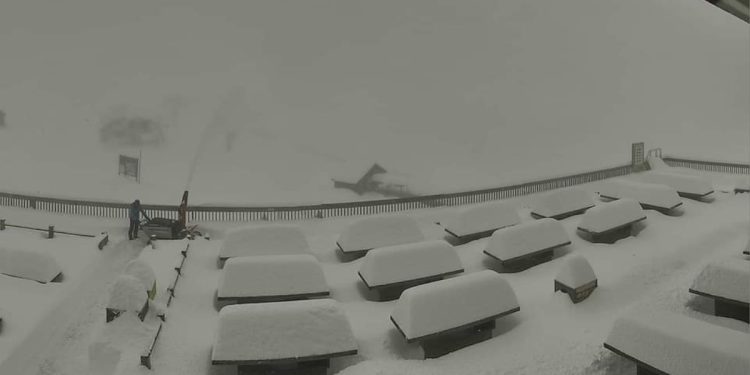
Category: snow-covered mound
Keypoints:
(482, 218)
(142, 271)
(379, 231)
(728, 278)
(683, 184)
(677, 344)
(282, 330)
(273, 275)
(275, 239)
(127, 294)
(576, 272)
(523, 239)
(28, 264)
(445, 304)
(393, 264)
(611, 215)
(656, 163)
(561, 202)
(742, 183)
(656, 195)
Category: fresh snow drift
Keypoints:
(275, 239)
(142, 271)
(728, 278)
(28, 264)
(649, 195)
(127, 294)
(677, 344)
(576, 272)
(691, 186)
(561, 203)
(611, 215)
(282, 330)
(482, 218)
(514, 242)
(379, 231)
(435, 307)
(394, 264)
(272, 276)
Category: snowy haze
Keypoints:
(272, 98)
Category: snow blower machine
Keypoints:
(170, 229)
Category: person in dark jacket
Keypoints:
(134, 213)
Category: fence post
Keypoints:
(51, 231)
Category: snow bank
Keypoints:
(142, 271)
(611, 215)
(677, 344)
(445, 304)
(656, 195)
(393, 264)
(656, 163)
(742, 183)
(560, 202)
(127, 294)
(281, 330)
(379, 231)
(693, 185)
(482, 218)
(275, 239)
(513, 242)
(28, 264)
(728, 278)
(273, 275)
(576, 272)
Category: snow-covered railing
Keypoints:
(306, 212)
(710, 166)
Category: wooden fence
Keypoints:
(709, 166)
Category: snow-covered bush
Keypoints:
(677, 344)
(576, 272)
(282, 330)
(28, 264)
(142, 271)
(513, 242)
(611, 215)
(656, 195)
(393, 264)
(379, 231)
(274, 239)
(481, 218)
(684, 184)
(127, 294)
(445, 304)
(274, 275)
(560, 202)
(728, 278)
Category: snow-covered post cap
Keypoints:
(576, 278)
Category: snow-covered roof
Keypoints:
(142, 271)
(127, 294)
(677, 344)
(393, 264)
(481, 218)
(271, 275)
(273, 239)
(728, 278)
(29, 264)
(512, 242)
(435, 307)
(657, 195)
(282, 330)
(696, 185)
(610, 215)
(576, 272)
(379, 231)
(558, 202)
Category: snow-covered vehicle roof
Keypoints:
(394, 264)
(272, 276)
(576, 272)
(727, 278)
(481, 218)
(379, 231)
(526, 238)
(273, 239)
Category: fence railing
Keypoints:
(254, 213)
(709, 166)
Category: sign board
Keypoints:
(130, 167)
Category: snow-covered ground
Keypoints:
(549, 335)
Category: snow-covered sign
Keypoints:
(576, 278)
(442, 305)
(142, 271)
(273, 277)
(512, 243)
(677, 344)
(481, 220)
(559, 204)
(29, 264)
(726, 278)
(656, 196)
(379, 231)
(282, 331)
(274, 239)
(127, 294)
(611, 215)
(685, 185)
(409, 262)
